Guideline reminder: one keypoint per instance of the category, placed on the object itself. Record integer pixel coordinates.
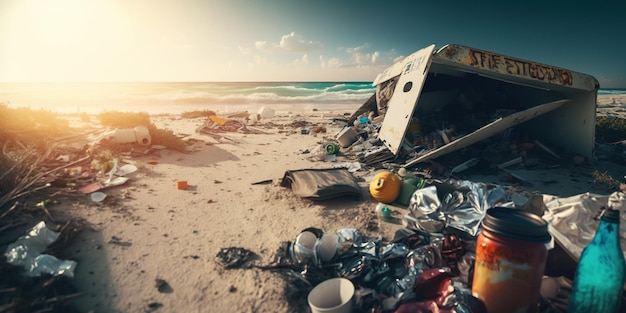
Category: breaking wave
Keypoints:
(90, 97)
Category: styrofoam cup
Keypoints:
(332, 296)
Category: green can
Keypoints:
(332, 148)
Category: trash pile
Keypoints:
(430, 264)
(36, 176)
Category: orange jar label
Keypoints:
(507, 275)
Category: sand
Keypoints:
(152, 247)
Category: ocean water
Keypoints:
(612, 92)
(177, 97)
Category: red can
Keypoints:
(511, 253)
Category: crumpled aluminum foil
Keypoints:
(463, 209)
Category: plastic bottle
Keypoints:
(599, 279)
(383, 212)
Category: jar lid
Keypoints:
(516, 224)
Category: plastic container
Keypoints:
(334, 295)
(303, 248)
(266, 112)
(124, 136)
(511, 256)
(326, 247)
(138, 135)
(347, 136)
(383, 212)
(407, 189)
(142, 136)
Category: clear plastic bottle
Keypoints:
(599, 279)
(383, 212)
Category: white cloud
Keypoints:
(294, 42)
(304, 60)
(331, 63)
(244, 50)
(361, 58)
(264, 45)
(291, 42)
(358, 49)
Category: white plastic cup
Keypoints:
(332, 296)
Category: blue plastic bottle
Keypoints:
(599, 277)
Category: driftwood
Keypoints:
(26, 176)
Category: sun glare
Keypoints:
(58, 22)
(62, 40)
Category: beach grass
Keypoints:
(610, 129)
(30, 126)
(197, 114)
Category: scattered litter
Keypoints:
(321, 184)
(181, 185)
(119, 242)
(98, 196)
(27, 252)
(115, 181)
(234, 257)
(139, 135)
(351, 167)
(63, 158)
(126, 169)
(263, 182)
(266, 112)
(91, 187)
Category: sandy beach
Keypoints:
(151, 247)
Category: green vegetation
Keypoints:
(604, 178)
(610, 129)
(197, 114)
(30, 126)
(25, 138)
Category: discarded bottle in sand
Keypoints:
(599, 279)
(383, 212)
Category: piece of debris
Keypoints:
(233, 257)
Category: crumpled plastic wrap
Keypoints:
(27, 252)
(463, 208)
(573, 220)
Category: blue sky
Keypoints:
(291, 40)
